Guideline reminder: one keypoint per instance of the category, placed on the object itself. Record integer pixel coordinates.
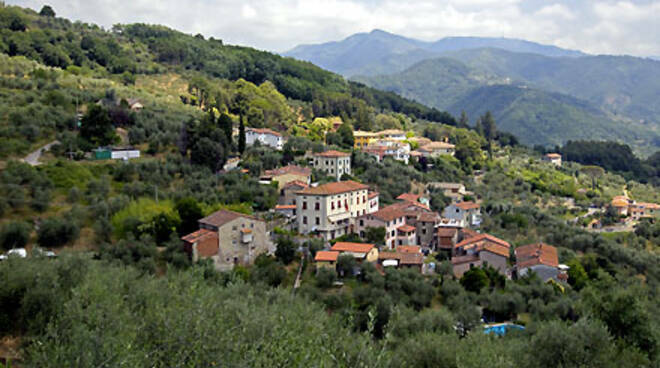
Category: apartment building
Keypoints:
(330, 210)
(333, 163)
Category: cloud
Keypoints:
(596, 26)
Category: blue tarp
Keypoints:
(501, 330)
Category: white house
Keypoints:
(266, 137)
(468, 212)
(553, 158)
(333, 163)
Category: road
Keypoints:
(33, 158)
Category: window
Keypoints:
(361, 222)
(457, 210)
(332, 205)
(304, 220)
(251, 226)
(304, 205)
(317, 206)
(338, 204)
(423, 230)
(358, 200)
(400, 242)
(233, 228)
(364, 199)
(318, 221)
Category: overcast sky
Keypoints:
(595, 26)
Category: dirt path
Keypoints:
(33, 158)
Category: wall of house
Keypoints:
(285, 179)
(372, 256)
(493, 260)
(454, 213)
(406, 239)
(425, 233)
(333, 166)
(288, 195)
(460, 269)
(330, 205)
(234, 250)
(270, 140)
(544, 272)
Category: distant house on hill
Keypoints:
(360, 251)
(538, 258)
(265, 137)
(287, 174)
(553, 158)
(478, 251)
(467, 212)
(333, 163)
(437, 149)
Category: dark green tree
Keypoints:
(475, 279)
(241, 136)
(14, 235)
(47, 11)
(375, 235)
(96, 127)
(226, 124)
(189, 213)
(208, 153)
(345, 131)
(286, 250)
(463, 121)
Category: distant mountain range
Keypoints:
(543, 94)
(380, 52)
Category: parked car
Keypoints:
(18, 252)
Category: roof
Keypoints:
(482, 238)
(436, 146)
(650, 206)
(464, 259)
(496, 249)
(201, 234)
(404, 258)
(285, 207)
(391, 132)
(373, 194)
(407, 206)
(246, 231)
(409, 249)
(406, 228)
(447, 232)
(428, 217)
(296, 183)
(361, 133)
(334, 188)
(326, 256)
(552, 155)
(222, 217)
(410, 197)
(535, 254)
(388, 213)
(352, 247)
(467, 205)
(332, 153)
(263, 131)
(618, 202)
(289, 169)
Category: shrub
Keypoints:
(14, 235)
(56, 231)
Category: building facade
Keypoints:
(266, 137)
(333, 163)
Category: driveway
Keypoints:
(33, 158)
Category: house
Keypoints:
(115, 153)
(437, 149)
(553, 158)
(361, 139)
(330, 210)
(388, 218)
(228, 238)
(425, 224)
(289, 192)
(333, 163)
(381, 149)
(287, 174)
(360, 251)
(409, 249)
(538, 258)
(266, 137)
(640, 210)
(231, 163)
(446, 239)
(327, 259)
(395, 134)
(373, 198)
(468, 212)
(620, 205)
(286, 210)
(453, 191)
(406, 235)
(419, 141)
(401, 260)
(480, 250)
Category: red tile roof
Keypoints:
(334, 188)
(464, 259)
(406, 228)
(289, 169)
(467, 205)
(285, 207)
(482, 238)
(326, 256)
(296, 183)
(403, 257)
(222, 217)
(535, 254)
(410, 197)
(352, 247)
(447, 232)
(388, 214)
(553, 155)
(332, 153)
(428, 217)
(409, 249)
(496, 249)
(263, 131)
(198, 235)
(373, 194)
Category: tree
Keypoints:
(96, 127)
(375, 235)
(286, 250)
(226, 124)
(47, 11)
(325, 277)
(14, 235)
(208, 153)
(489, 130)
(594, 172)
(189, 212)
(346, 264)
(475, 279)
(479, 127)
(345, 131)
(241, 136)
(463, 121)
(56, 231)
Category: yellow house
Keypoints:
(326, 259)
(360, 251)
(362, 138)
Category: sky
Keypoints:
(594, 26)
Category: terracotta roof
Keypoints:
(198, 235)
(360, 133)
(289, 169)
(436, 146)
(391, 132)
(373, 194)
(403, 257)
(619, 203)
(296, 183)
(650, 206)
(409, 249)
(469, 233)
(285, 207)
(388, 255)
(334, 188)
(352, 247)
(326, 256)
(263, 131)
(332, 153)
(483, 238)
(428, 217)
(553, 155)
(409, 206)
(496, 249)
(467, 205)
(222, 217)
(447, 232)
(406, 228)
(535, 254)
(388, 214)
(410, 197)
(464, 259)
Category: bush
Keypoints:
(56, 231)
(14, 235)
(325, 277)
(286, 250)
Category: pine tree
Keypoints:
(463, 122)
(226, 125)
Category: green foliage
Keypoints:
(57, 231)
(96, 127)
(325, 277)
(140, 212)
(189, 212)
(475, 279)
(14, 235)
(375, 235)
(286, 250)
